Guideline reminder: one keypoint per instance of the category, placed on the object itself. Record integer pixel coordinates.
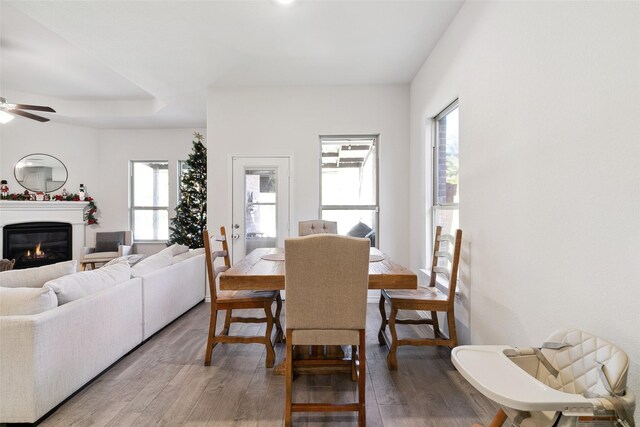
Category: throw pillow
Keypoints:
(131, 259)
(37, 276)
(76, 286)
(189, 254)
(359, 230)
(175, 249)
(152, 263)
(25, 301)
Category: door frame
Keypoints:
(230, 158)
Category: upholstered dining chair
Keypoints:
(109, 245)
(446, 256)
(238, 300)
(326, 277)
(317, 226)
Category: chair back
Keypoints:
(317, 226)
(110, 240)
(326, 279)
(446, 257)
(211, 255)
(588, 364)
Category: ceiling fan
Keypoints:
(16, 109)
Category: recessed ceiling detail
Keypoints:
(170, 52)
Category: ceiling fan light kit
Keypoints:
(8, 111)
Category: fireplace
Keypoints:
(33, 244)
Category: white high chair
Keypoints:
(574, 378)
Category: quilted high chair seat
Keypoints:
(571, 361)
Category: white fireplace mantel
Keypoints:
(16, 212)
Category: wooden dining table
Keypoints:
(263, 269)
(253, 272)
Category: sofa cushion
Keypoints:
(186, 255)
(75, 286)
(25, 301)
(152, 263)
(38, 276)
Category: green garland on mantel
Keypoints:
(89, 211)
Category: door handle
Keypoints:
(235, 236)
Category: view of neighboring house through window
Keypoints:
(446, 195)
(349, 184)
(150, 200)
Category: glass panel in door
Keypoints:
(260, 226)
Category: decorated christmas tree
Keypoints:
(188, 225)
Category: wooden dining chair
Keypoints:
(446, 256)
(238, 300)
(326, 278)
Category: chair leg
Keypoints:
(451, 319)
(362, 380)
(497, 420)
(227, 322)
(271, 355)
(436, 325)
(212, 334)
(288, 379)
(354, 368)
(279, 331)
(383, 325)
(392, 360)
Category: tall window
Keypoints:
(349, 184)
(446, 183)
(150, 200)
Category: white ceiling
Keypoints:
(147, 64)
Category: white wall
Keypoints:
(289, 121)
(550, 165)
(116, 149)
(97, 158)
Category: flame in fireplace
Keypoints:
(37, 252)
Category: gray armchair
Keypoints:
(109, 245)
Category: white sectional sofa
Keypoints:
(46, 357)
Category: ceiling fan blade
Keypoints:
(28, 115)
(33, 107)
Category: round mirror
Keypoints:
(40, 172)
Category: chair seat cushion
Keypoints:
(420, 294)
(101, 255)
(245, 296)
(325, 337)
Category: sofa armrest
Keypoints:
(86, 250)
(47, 356)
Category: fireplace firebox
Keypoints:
(34, 244)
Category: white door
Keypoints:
(260, 203)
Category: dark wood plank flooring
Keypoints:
(164, 382)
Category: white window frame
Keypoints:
(375, 207)
(437, 205)
(133, 208)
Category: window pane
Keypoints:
(348, 172)
(355, 223)
(448, 218)
(447, 158)
(151, 184)
(150, 225)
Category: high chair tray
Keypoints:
(498, 378)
